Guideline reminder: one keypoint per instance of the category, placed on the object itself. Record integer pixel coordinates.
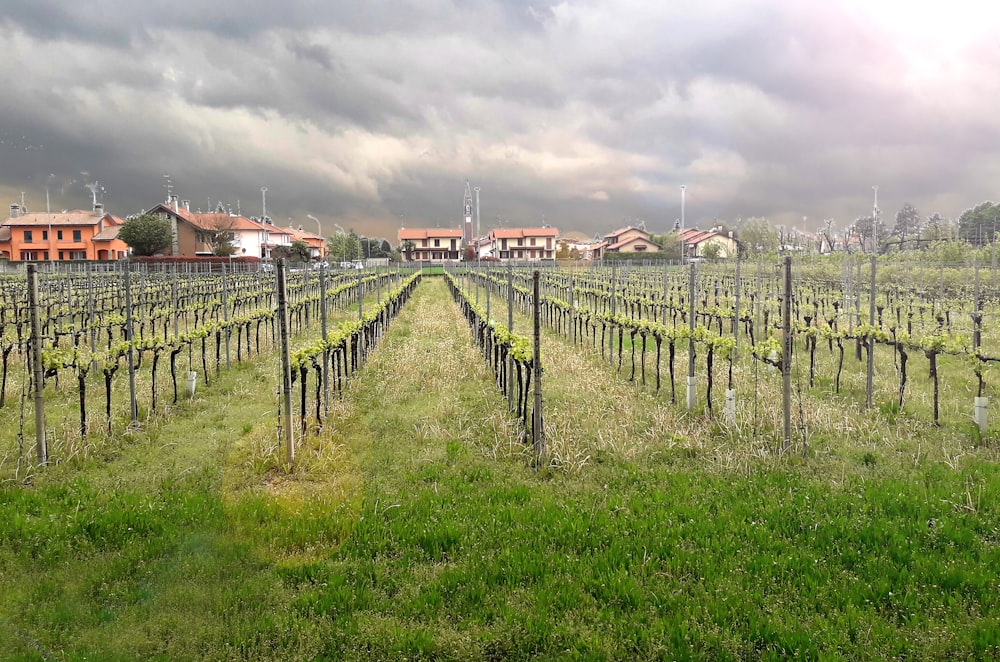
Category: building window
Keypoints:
(27, 240)
(520, 241)
(61, 255)
(532, 241)
(59, 235)
(45, 235)
(437, 243)
(78, 255)
(423, 243)
(520, 254)
(503, 244)
(76, 235)
(548, 243)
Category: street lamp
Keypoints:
(319, 232)
(683, 188)
(875, 222)
(48, 212)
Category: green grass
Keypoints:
(415, 528)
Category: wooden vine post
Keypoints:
(130, 331)
(510, 328)
(786, 356)
(286, 365)
(871, 338)
(692, 396)
(36, 365)
(326, 350)
(537, 431)
(614, 297)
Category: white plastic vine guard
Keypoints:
(981, 413)
(192, 380)
(729, 411)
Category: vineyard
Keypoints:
(726, 330)
(191, 326)
(744, 460)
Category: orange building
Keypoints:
(317, 244)
(74, 235)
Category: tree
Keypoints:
(671, 243)
(219, 233)
(757, 237)
(147, 234)
(935, 228)
(407, 248)
(979, 224)
(827, 234)
(870, 232)
(907, 224)
(299, 251)
(712, 251)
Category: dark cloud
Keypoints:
(585, 113)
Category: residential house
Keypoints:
(629, 240)
(316, 243)
(584, 250)
(430, 243)
(697, 243)
(197, 232)
(524, 243)
(72, 235)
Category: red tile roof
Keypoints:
(429, 233)
(109, 233)
(75, 217)
(517, 233)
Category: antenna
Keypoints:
(169, 185)
(94, 189)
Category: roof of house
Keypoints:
(429, 233)
(75, 217)
(626, 242)
(696, 236)
(304, 235)
(624, 230)
(215, 221)
(109, 233)
(517, 233)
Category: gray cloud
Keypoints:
(582, 113)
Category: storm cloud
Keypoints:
(584, 114)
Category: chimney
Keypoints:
(173, 201)
(15, 210)
(99, 208)
(187, 205)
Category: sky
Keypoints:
(587, 115)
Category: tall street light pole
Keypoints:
(48, 212)
(263, 220)
(683, 247)
(875, 222)
(683, 188)
(319, 232)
